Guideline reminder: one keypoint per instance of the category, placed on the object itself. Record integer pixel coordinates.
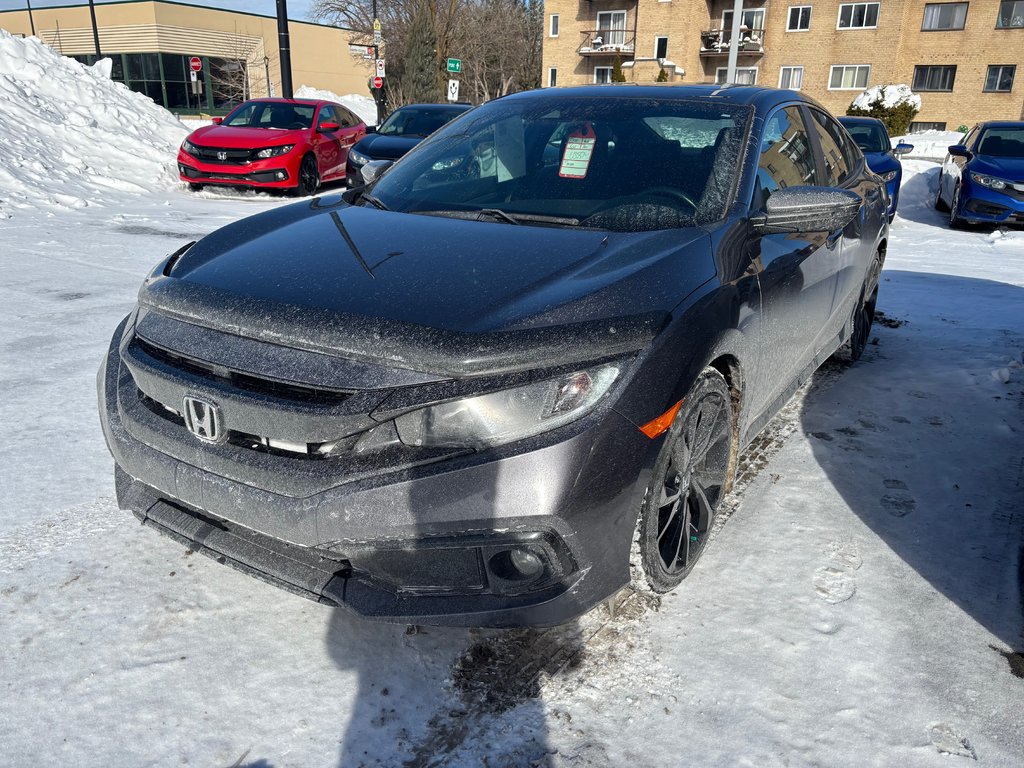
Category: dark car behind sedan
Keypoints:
(402, 130)
(883, 158)
(500, 383)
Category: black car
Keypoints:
(497, 383)
(402, 130)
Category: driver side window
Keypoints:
(786, 158)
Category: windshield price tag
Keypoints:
(579, 147)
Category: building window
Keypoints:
(553, 32)
(552, 77)
(611, 27)
(934, 78)
(602, 75)
(791, 77)
(858, 16)
(1000, 78)
(751, 18)
(849, 77)
(661, 47)
(1011, 14)
(918, 127)
(799, 18)
(744, 75)
(940, 16)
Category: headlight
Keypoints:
(888, 176)
(989, 181)
(512, 414)
(189, 147)
(358, 158)
(263, 154)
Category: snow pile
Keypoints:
(929, 145)
(890, 96)
(361, 105)
(71, 137)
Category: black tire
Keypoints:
(195, 187)
(693, 473)
(309, 177)
(861, 318)
(955, 222)
(940, 204)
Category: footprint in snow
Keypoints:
(834, 582)
(949, 741)
(898, 506)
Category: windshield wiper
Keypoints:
(375, 202)
(508, 218)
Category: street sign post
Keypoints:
(378, 82)
(376, 32)
(453, 90)
(195, 64)
(455, 65)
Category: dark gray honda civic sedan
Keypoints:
(511, 374)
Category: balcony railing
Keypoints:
(715, 42)
(608, 42)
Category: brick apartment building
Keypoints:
(965, 59)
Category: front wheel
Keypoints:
(940, 204)
(692, 474)
(195, 187)
(309, 177)
(955, 222)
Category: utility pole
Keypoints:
(284, 48)
(31, 23)
(95, 31)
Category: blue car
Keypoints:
(883, 159)
(982, 178)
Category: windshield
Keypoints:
(870, 137)
(1002, 142)
(415, 121)
(623, 163)
(270, 114)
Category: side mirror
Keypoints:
(959, 150)
(808, 209)
(327, 127)
(903, 148)
(374, 169)
(217, 120)
(371, 129)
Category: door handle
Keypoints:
(833, 238)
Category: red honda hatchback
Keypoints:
(291, 144)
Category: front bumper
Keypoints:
(988, 206)
(273, 173)
(428, 544)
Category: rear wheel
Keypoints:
(309, 177)
(955, 222)
(940, 204)
(693, 473)
(862, 318)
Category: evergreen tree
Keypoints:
(617, 76)
(421, 64)
(662, 76)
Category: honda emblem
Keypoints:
(222, 155)
(203, 419)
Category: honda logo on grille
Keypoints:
(203, 420)
(222, 155)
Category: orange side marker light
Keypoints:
(661, 424)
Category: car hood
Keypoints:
(1009, 168)
(243, 138)
(378, 147)
(434, 294)
(881, 162)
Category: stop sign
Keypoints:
(196, 64)
(378, 82)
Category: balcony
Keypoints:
(716, 42)
(608, 42)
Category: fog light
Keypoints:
(280, 175)
(527, 563)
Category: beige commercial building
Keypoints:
(152, 42)
(965, 59)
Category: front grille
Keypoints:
(243, 381)
(231, 156)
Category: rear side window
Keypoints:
(840, 158)
(786, 159)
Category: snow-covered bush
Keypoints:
(894, 105)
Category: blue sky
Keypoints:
(297, 9)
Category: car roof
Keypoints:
(1002, 124)
(279, 100)
(438, 107)
(850, 119)
(760, 97)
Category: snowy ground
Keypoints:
(854, 610)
